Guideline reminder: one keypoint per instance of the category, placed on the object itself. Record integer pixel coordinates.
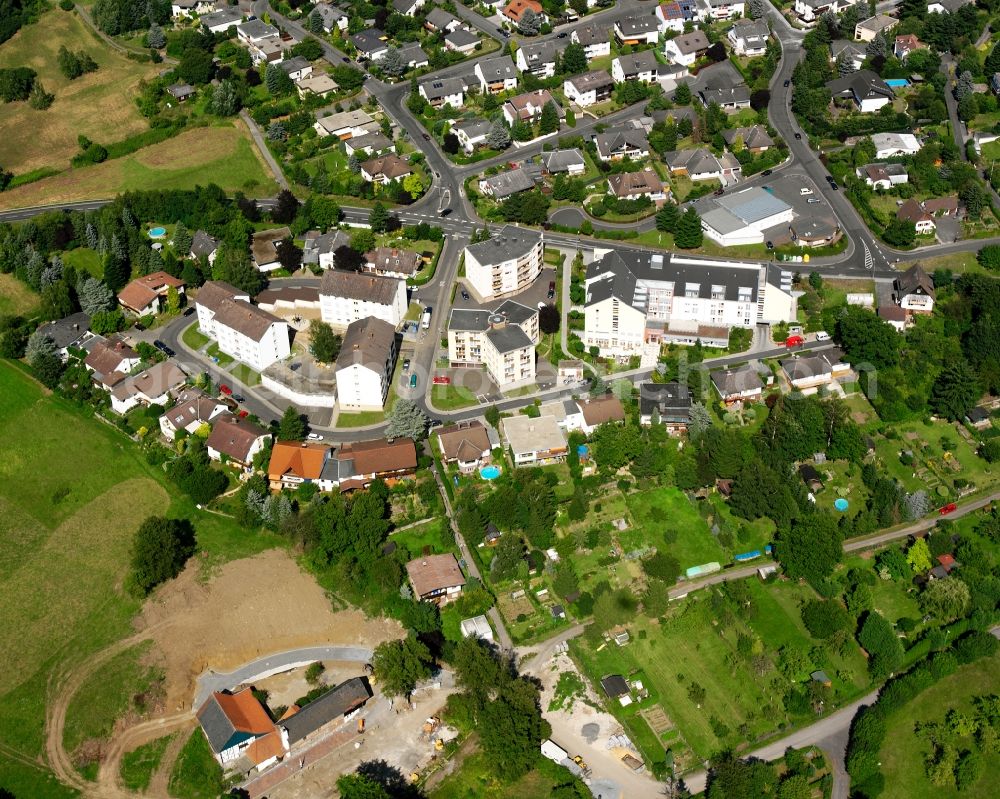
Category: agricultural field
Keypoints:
(222, 155)
(903, 756)
(16, 297)
(98, 105)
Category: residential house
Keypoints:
(914, 291)
(502, 340)
(883, 176)
(332, 17)
(256, 30)
(514, 10)
(811, 10)
(318, 84)
(728, 98)
(496, 75)
(686, 48)
(364, 365)
(668, 404)
(672, 16)
(413, 55)
(110, 361)
(534, 442)
(642, 67)
(504, 184)
(618, 143)
(492, 535)
(636, 298)
(192, 409)
(570, 371)
(264, 248)
(946, 6)
(854, 53)
(866, 89)
(346, 297)
(296, 68)
(181, 92)
(436, 578)
(408, 8)
(371, 44)
(466, 444)
(700, 164)
(893, 315)
(242, 331)
(742, 384)
(203, 245)
(894, 145)
(742, 217)
(385, 169)
(906, 44)
(439, 92)
(294, 463)
(236, 441)
(637, 29)
(979, 418)
(238, 726)
(393, 262)
(506, 263)
(346, 124)
(362, 462)
(749, 37)
(569, 161)
(471, 133)
(538, 58)
(715, 10)
(868, 29)
(319, 249)
(67, 333)
(528, 107)
(595, 411)
(461, 41)
(335, 706)
(438, 20)
(148, 294)
(589, 88)
(221, 21)
(632, 185)
(807, 373)
(369, 144)
(914, 211)
(755, 138)
(616, 687)
(152, 386)
(594, 40)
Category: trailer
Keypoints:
(705, 568)
(553, 751)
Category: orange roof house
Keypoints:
(143, 295)
(238, 725)
(515, 9)
(293, 463)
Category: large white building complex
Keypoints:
(365, 363)
(502, 340)
(743, 217)
(505, 264)
(637, 300)
(346, 297)
(243, 331)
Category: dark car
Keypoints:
(465, 294)
(562, 35)
(766, 172)
(719, 192)
(426, 137)
(345, 59)
(163, 348)
(189, 311)
(552, 290)
(770, 245)
(798, 135)
(239, 398)
(788, 83)
(446, 212)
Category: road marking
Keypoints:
(869, 262)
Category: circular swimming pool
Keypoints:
(157, 232)
(840, 504)
(489, 472)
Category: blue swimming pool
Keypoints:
(489, 472)
(897, 83)
(157, 232)
(841, 504)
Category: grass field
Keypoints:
(194, 338)
(98, 105)
(72, 494)
(694, 545)
(196, 775)
(15, 297)
(902, 755)
(473, 780)
(84, 260)
(138, 765)
(449, 398)
(221, 155)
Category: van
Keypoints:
(805, 190)
(425, 320)
(822, 335)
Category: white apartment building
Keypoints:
(811, 10)
(242, 331)
(346, 297)
(637, 298)
(504, 264)
(502, 340)
(594, 40)
(364, 366)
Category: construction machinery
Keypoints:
(361, 726)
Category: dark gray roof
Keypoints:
(509, 242)
(591, 34)
(440, 18)
(436, 88)
(726, 96)
(735, 381)
(538, 53)
(257, 29)
(369, 41)
(634, 63)
(473, 127)
(802, 367)
(221, 17)
(508, 338)
(915, 281)
(334, 703)
(460, 37)
(595, 79)
(497, 68)
(672, 400)
(562, 160)
(515, 312)
(218, 728)
(469, 319)
(616, 139)
(637, 24)
(290, 65)
(861, 84)
(614, 685)
(67, 331)
(356, 286)
(509, 182)
(412, 53)
(203, 244)
(368, 342)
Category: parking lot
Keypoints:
(535, 293)
(814, 218)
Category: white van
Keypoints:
(822, 335)
(425, 320)
(805, 190)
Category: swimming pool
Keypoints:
(897, 83)
(489, 472)
(841, 504)
(157, 232)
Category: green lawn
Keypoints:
(360, 419)
(213, 351)
(474, 779)
(245, 374)
(660, 510)
(196, 774)
(194, 338)
(138, 766)
(435, 536)
(84, 260)
(903, 753)
(449, 398)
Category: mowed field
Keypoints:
(15, 297)
(221, 155)
(99, 105)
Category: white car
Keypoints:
(822, 335)
(314, 437)
(805, 190)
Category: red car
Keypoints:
(947, 509)
(224, 389)
(441, 380)
(794, 341)
(244, 414)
